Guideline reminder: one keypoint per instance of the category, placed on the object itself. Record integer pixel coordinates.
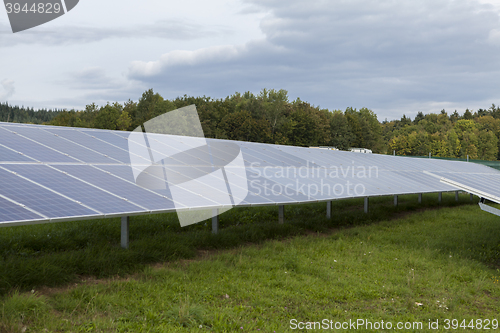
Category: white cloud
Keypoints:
(211, 55)
(8, 89)
(92, 78)
(81, 34)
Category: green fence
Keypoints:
(491, 164)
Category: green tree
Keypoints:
(454, 145)
(467, 115)
(487, 145)
(124, 122)
(107, 117)
(341, 134)
(146, 108)
(241, 126)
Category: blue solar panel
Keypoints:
(38, 198)
(75, 189)
(200, 173)
(251, 156)
(93, 143)
(262, 151)
(488, 183)
(9, 211)
(30, 148)
(135, 194)
(183, 196)
(62, 145)
(7, 155)
(110, 137)
(122, 171)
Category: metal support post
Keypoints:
(471, 197)
(395, 200)
(215, 221)
(420, 198)
(125, 231)
(282, 214)
(366, 205)
(440, 196)
(328, 209)
(456, 195)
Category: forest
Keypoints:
(270, 117)
(18, 114)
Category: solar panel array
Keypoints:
(50, 173)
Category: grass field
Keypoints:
(408, 264)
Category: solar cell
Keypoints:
(109, 137)
(11, 212)
(64, 146)
(485, 182)
(7, 155)
(93, 143)
(122, 171)
(93, 197)
(31, 148)
(133, 193)
(41, 200)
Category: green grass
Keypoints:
(263, 275)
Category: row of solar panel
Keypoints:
(48, 144)
(66, 191)
(66, 187)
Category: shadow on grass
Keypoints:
(56, 254)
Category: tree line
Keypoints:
(475, 135)
(18, 114)
(270, 117)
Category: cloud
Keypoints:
(8, 89)
(92, 78)
(379, 54)
(169, 30)
(93, 84)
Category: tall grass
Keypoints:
(427, 266)
(57, 254)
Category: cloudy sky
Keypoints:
(393, 56)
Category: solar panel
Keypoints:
(108, 137)
(10, 139)
(7, 155)
(76, 189)
(136, 195)
(485, 184)
(57, 173)
(62, 145)
(40, 199)
(11, 212)
(93, 143)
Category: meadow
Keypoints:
(415, 264)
